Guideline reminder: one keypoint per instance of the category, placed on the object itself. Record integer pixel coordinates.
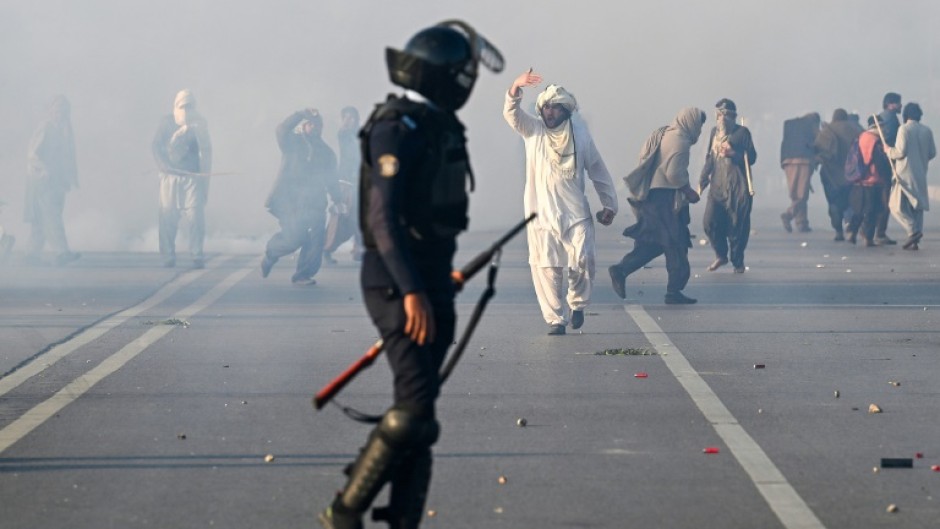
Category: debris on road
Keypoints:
(710, 450)
(181, 436)
(521, 422)
(432, 513)
(169, 321)
(640, 375)
(894, 383)
(892, 508)
(626, 351)
(502, 480)
(935, 468)
(835, 393)
(268, 458)
(759, 366)
(897, 462)
(874, 408)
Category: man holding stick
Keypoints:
(413, 204)
(727, 168)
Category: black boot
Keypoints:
(409, 493)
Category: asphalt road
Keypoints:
(137, 396)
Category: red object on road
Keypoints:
(640, 375)
(711, 450)
(919, 455)
(935, 468)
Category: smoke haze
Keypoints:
(632, 67)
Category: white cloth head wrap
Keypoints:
(183, 98)
(560, 139)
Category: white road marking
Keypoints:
(60, 351)
(39, 414)
(789, 507)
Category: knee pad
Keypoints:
(406, 429)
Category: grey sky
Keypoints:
(632, 66)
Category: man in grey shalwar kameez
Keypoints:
(183, 154)
(661, 195)
(728, 210)
(912, 150)
(52, 171)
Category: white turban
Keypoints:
(556, 95)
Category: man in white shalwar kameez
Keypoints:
(559, 151)
(913, 149)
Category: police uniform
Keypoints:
(413, 201)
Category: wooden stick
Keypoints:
(747, 168)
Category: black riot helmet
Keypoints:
(441, 62)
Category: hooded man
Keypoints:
(727, 219)
(299, 196)
(183, 154)
(559, 151)
(913, 149)
(832, 147)
(52, 172)
(662, 206)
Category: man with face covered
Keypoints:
(299, 196)
(661, 206)
(727, 219)
(559, 151)
(183, 154)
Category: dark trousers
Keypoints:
(729, 228)
(838, 199)
(415, 368)
(677, 262)
(882, 220)
(304, 230)
(867, 206)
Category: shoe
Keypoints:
(199, 264)
(577, 319)
(739, 269)
(786, 222)
(839, 237)
(678, 298)
(66, 257)
(266, 265)
(717, 263)
(618, 281)
(328, 258)
(885, 241)
(303, 281)
(912, 240)
(851, 238)
(804, 229)
(333, 518)
(914, 247)
(556, 329)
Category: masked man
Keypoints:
(559, 151)
(727, 219)
(183, 154)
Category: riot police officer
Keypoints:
(413, 202)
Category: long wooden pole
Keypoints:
(747, 168)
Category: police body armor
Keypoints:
(440, 186)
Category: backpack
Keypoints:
(855, 167)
